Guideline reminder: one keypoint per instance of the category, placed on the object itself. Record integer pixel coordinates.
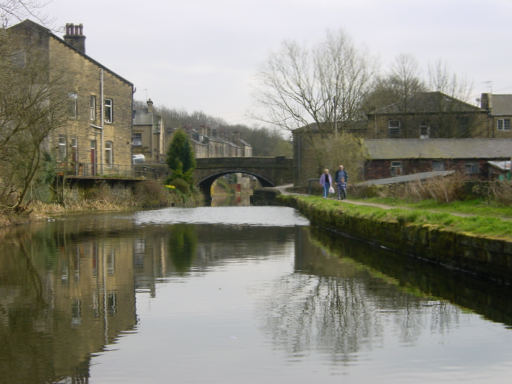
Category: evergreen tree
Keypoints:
(180, 157)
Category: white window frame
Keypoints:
(73, 105)
(396, 165)
(62, 147)
(472, 168)
(438, 165)
(109, 154)
(137, 143)
(394, 127)
(424, 126)
(503, 124)
(92, 108)
(109, 110)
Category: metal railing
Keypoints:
(113, 170)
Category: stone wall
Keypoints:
(81, 77)
(485, 257)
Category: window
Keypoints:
(109, 154)
(109, 111)
(472, 168)
(92, 108)
(396, 168)
(503, 124)
(437, 165)
(72, 105)
(137, 139)
(424, 131)
(111, 262)
(76, 312)
(62, 147)
(394, 127)
(111, 303)
(19, 59)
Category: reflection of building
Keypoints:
(147, 136)
(69, 303)
(97, 133)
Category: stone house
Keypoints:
(148, 134)
(96, 138)
(499, 110)
(473, 157)
(428, 115)
(207, 143)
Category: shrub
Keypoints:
(501, 191)
(151, 194)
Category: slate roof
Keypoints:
(407, 178)
(30, 25)
(471, 148)
(143, 117)
(501, 105)
(429, 102)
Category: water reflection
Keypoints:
(340, 307)
(60, 301)
(182, 247)
(71, 288)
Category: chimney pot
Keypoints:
(74, 36)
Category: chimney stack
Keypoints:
(75, 36)
(486, 101)
(150, 105)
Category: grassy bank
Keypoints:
(477, 207)
(480, 225)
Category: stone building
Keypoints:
(428, 115)
(473, 157)
(207, 143)
(147, 136)
(499, 110)
(96, 137)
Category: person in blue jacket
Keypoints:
(326, 181)
(341, 178)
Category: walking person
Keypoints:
(326, 181)
(341, 178)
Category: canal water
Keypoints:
(236, 295)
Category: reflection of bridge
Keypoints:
(270, 171)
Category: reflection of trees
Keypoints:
(182, 246)
(338, 307)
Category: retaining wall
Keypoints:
(486, 257)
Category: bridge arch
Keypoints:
(269, 171)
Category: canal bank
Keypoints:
(485, 256)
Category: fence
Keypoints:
(114, 170)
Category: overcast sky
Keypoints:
(204, 54)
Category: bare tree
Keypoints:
(323, 85)
(442, 80)
(31, 106)
(405, 79)
(19, 9)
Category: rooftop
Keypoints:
(474, 148)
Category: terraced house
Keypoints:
(96, 138)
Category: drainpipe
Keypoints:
(102, 119)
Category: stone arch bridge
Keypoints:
(270, 171)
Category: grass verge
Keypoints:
(487, 226)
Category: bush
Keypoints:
(501, 191)
(440, 189)
(151, 194)
(181, 185)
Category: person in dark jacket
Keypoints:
(341, 178)
(326, 181)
